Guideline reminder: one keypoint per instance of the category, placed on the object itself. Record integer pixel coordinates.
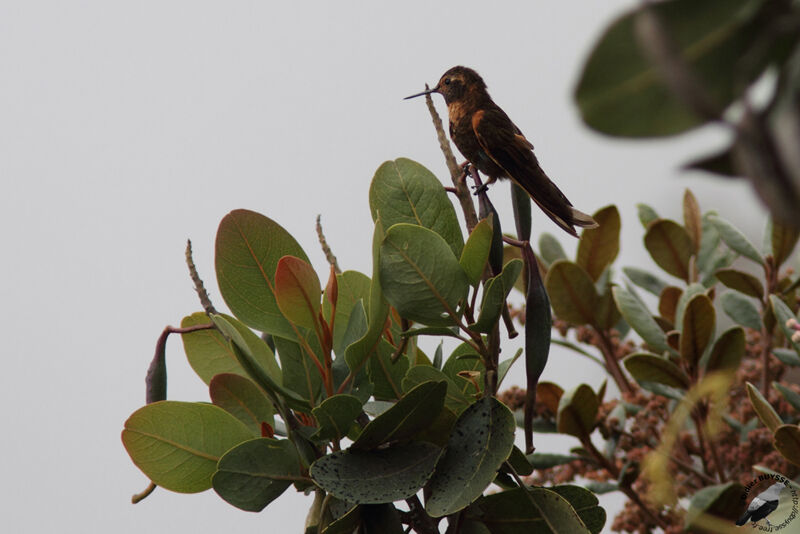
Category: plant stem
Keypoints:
(612, 364)
(419, 518)
(461, 189)
(625, 487)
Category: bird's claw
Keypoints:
(480, 189)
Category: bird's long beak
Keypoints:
(425, 92)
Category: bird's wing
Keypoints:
(504, 144)
(502, 141)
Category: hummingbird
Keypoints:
(495, 146)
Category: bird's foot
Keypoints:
(480, 189)
(465, 171)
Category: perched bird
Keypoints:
(762, 505)
(492, 143)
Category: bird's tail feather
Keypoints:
(553, 202)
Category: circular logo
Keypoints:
(772, 503)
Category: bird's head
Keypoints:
(457, 84)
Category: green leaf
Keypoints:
(248, 249)
(244, 400)
(622, 93)
(546, 460)
(245, 355)
(543, 511)
(741, 309)
(728, 351)
(413, 412)
(577, 412)
(723, 500)
(572, 293)
(377, 476)
(256, 472)
(670, 246)
(736, 240)
(494, 296)
(598, 247)
(385, 374)
(787, 441)
(420, 276)
(454, 399)
(209, 353)
(481, 441)
(647, 281)
(783, 239)
(641, 321)
(791, 396)
(505, 366)
(787, 356)
(692, 219)
(476, 251)
(740, 281)
(298, 291)
(645, 367)
(357, 354)
(177, 444)
(464, 359)
(550, 249)
(353, 287)
(300, 373)
(763, 408)
(646, 214)
(698, 328)
(335, 416)
(403, 191)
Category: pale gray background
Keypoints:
(126, 127)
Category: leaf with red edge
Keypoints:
(298, 291)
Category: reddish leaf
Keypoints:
(297, 290)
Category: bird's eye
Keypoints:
(447, 81)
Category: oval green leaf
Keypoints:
(248, 248)
(787, 441)
(741, 309)
(728, 351)
(621, 93)
(476, 251)
(572, 292)
(577, 412)
(783, 240)
(403, 191)
(646, 367)
(763, 408)
(454, 399)
(670, 246)
(550, 249)
(598, 247)
(417, 409)
(378, 476)
(494, 296)
(740, 281)
(177, 444)
(256, 472)
(244, 400)
(641, 321)
(481, 441)
(736, 240)
(697, 331)
(335, 416)
(543, 511)
(647, 281)
(420, 276)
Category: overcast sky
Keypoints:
(126, 127)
